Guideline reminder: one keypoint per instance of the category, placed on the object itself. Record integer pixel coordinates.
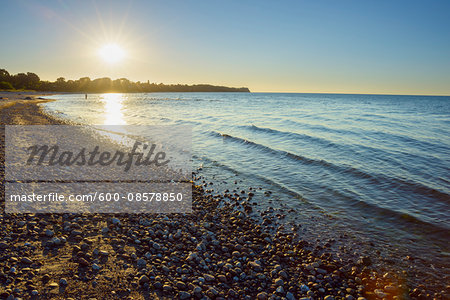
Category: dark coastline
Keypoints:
(219, 251)
(31, 81)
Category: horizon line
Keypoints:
(352, 93)
(257, 92)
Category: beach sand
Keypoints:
(219, 251)
(21, 109)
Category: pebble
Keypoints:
(197, 290)
(208, 277)
(283, 274)
(214, 254)
(76, 232)
(141, 263)
(279, 282)
(380, 293)
(184, 295)
(262, 296)
(83, 262)
(84, 247)
(280, 290)
(180, 285)
(304, 288)
(143, 279)
(390, 289)
(55, 241)
(192, 256)
(365, 261)
(49, 233)
(255, 265)
(213, 291)
(26, 260)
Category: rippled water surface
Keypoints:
(376, 164)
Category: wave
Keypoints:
(370, 208)
(378, 179)
(389, 157)
(263, 179)
(377, 136)
(401, 218)
(404, 219)
(321, 141)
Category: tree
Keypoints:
(102, 84)
(4, 75)
(19, 80)
(83, 84)
(5, 85)
(32, 81)
(60, 84)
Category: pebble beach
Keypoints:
(222, 250)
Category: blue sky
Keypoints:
(399, 47)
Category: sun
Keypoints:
(111, 53)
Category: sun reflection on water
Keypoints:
(113, 109)
(113, 126)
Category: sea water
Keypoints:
(373, 167)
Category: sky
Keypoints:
(373, 47)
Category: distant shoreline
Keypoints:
(31, 81)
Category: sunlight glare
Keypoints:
(111, 53)
(113, 109)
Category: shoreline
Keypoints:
(21, 109)
(240, 258)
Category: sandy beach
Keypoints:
(21, 109)
(220, 251)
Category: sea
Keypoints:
(371, 171)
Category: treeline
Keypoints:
(31, 81)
